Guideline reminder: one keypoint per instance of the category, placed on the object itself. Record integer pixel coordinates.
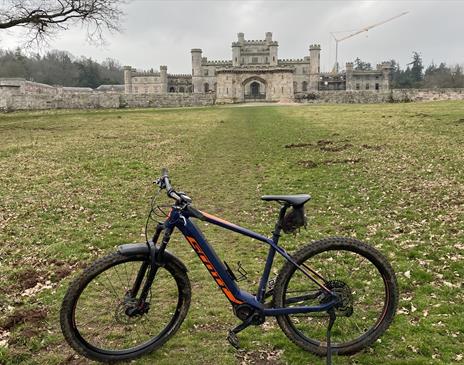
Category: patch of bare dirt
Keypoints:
(18, 317)
(27, 279)
(371, 147)
(298, 145)
(311, 164)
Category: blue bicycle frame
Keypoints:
(180, 218)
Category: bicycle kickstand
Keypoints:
(332, 318)
(232, 336)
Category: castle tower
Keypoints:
(197, 75)
(268, 37)
(241, 38)
(273, 48)
(387, 75)
(164, 79)
(127, 79)
(314, 66)
(349, 76)
(236, 48)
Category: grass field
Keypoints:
(75, 184)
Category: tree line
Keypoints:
(60, 68)
(416, 75)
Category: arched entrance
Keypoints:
(254, 89)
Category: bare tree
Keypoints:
(43, 18)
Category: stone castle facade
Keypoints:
(254, 73)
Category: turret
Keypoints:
(273, 48)
(241, 37)
(127, 79)
(268, 37)
(164, 79)
(314, 66)
(387, 75)
(196, 70)
(236, 48)
(349, 76)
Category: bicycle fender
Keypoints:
(134, 249)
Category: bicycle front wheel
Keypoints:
(97, 314)
(359, 274)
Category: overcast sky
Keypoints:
(163, 32)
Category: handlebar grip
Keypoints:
(164, 172)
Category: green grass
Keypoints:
(74, 185)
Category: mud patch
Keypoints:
(309, 164)
(18, 317)
(259, 357)
(27, 279)
(298, 145)
(372, 147)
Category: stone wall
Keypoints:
(370, 97)
(10, 102)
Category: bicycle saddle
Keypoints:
(298, 199)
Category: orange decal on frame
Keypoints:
(212, 270)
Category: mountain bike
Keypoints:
(333, 296)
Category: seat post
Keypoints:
(278, 225)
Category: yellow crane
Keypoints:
(362, 30)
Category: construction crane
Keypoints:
(362, 30)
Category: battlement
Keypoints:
(315, 47)
(180, 75)
(144, 73)
(294, 60)
(217, 62)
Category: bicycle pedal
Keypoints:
(233, 340)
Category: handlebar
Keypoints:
(164, 183)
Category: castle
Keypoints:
(256, 73)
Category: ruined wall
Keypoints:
(102, 100)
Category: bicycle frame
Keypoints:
(181, 219)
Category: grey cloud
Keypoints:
(163, 32)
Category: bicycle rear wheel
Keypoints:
(359, 274)
(95, 316)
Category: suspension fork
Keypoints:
(155, 261)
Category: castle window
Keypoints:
(358, 86)
(273, 58)
(267, 60)
(304, 86)
(227, 91)
(206, 87)
(181, 89)
(235, 59)
(136, 89)
(254, 60)
(243, 60)
(305, 70)
(172, 89)
(282, 89)
(377, 86)
(367, 86)
(206, 72)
